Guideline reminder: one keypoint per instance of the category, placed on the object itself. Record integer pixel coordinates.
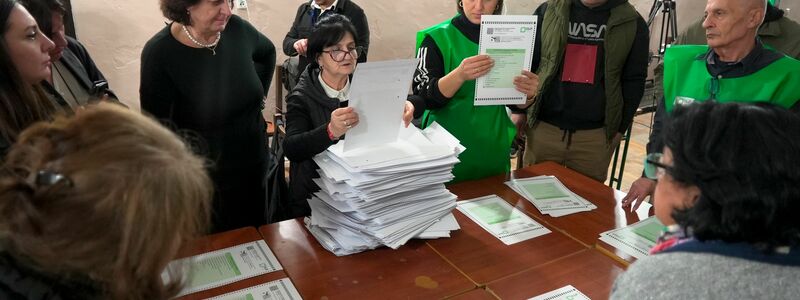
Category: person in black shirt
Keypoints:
(296, 41)
(207, 72)
(591, 56)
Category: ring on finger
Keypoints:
(346, 124)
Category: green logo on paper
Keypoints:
(525, 29)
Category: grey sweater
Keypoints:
(684, 275)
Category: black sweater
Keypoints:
(308, 111)
(304, 23)
(580, 106)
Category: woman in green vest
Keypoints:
(445, 79)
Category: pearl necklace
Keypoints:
(212, 47)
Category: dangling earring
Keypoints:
(460, 3)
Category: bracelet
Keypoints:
(330, 133)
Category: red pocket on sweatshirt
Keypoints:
(579, 63)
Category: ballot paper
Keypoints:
(221, 267)
(378, 95)
(509, 41)
(500, 219)
(550, 196)
(385, 195)
(281, 289)
(636, 239)
(565, 293)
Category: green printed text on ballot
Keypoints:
(508, 63)
(492, 213)
(213, 269)
(543, 191)
(649, 231)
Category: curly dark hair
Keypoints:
(497, 10)
(744, 159)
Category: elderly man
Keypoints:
(735, 66)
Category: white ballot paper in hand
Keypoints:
(509, 41)
(495, 215)
(378, 95)
(221, 267)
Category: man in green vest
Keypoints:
(591, 58)
(778, 32)
(735, 66)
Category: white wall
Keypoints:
(115, 31)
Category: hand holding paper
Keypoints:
(342, 119)
(475, 66)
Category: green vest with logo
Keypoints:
(620, 33)
(486, 131)
(686, 79)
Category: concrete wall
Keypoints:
(115, 31)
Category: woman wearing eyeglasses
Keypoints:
(207, 72)
(728, 190)
(317, 114)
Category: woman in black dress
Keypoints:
(207, 72)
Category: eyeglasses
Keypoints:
(338, 55)
(653, 168)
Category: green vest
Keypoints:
(620, 33)
(486, 131)
(686, 79)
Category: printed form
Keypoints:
(221, 267)
(509, 41)
(506, 223)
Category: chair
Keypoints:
(615, 177)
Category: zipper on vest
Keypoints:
(713, 89)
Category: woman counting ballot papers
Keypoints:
(317, 112)
(445, 79)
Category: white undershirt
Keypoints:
(342, 94)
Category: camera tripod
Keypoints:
(669, 24)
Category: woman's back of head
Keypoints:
(745, 159)
(107, 194)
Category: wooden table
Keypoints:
(221, 241)
(589, 271)
(413, 270)
(476, 294)
(484, 258)
(584, 227)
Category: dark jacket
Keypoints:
(302, 26)
(307, 116)
(18, 281)
(80, 64)
(619, 75)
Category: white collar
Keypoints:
(315, 5)
(342, 94)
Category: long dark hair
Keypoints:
(744, 160)
(20, 103)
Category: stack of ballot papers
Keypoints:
(385, 195)
(550, 196)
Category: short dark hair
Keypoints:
(42, 11)
(744, 160)
(176, 10)
(329, 30)
(497, 10)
